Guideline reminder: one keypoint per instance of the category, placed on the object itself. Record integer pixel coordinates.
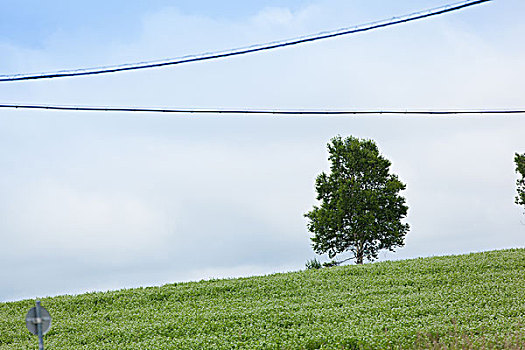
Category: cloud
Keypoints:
(52, 217)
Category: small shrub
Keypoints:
(313, 264)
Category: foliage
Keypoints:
(468, 341)
(520, 183)
(360, 209)
(313, 264)
(331, 263)
(374, 306)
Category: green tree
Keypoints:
(520, 169)
(360, 207)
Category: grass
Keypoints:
(455, 302)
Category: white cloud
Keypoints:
(60, 220)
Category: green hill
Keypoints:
(453, 301)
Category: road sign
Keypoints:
(38, 321)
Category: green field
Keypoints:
(476, 299)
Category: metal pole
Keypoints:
(39, 327)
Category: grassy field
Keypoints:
(458, 302)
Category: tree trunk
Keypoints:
(359, 258)
(359, 254)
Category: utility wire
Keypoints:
(264, 111)
(246, 50)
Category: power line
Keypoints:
(245, 50)
(291, 112)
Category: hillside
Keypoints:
(476, 298)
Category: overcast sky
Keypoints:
(99, 201)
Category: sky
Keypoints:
(103, 201)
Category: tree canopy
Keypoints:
(520, 183)
(360, 207)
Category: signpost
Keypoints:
(38, 321)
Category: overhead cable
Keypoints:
(245, 50)
(292, 112)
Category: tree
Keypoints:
(520, 183)
(360, 207)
